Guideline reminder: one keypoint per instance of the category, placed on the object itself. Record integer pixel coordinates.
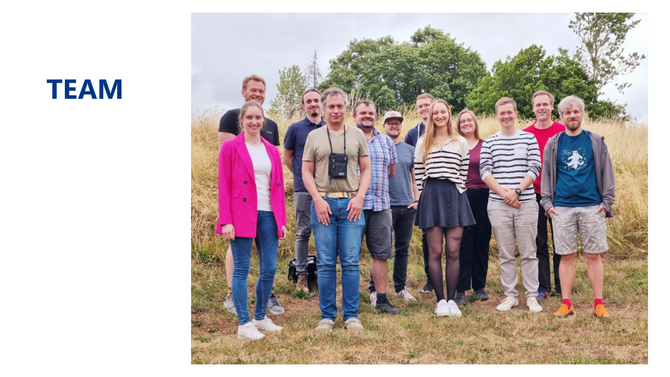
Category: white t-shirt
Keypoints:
(262, 170)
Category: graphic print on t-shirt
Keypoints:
(575, 160)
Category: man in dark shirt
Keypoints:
(253, 89)
(423, 102)
(294, 146)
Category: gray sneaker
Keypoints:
(229, 304)
(274, 306)
(481, 293)
(459, 298)
(386, 307)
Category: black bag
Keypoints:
(337, 162)
(312, 273)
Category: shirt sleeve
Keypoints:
(393, 153)
(533, 156)
(229, 123)
(485, 162)
(465, 161)
(289, 138)
(419, 168)
(308, 152)
(272, 126)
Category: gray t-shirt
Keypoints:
(400, 185)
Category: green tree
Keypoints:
(530, 70)
(292, 83)
(392, 74)
(601, 52)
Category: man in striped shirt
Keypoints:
(510, 162)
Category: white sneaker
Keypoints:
(324, 325)
(533, 305)
(453, 309)
(373, 299)
(249, 332)
(507, 303)
(442, 309)
(405, 295)
(266, 325)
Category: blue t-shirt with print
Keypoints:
(576, 184)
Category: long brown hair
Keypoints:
(430, 128)
(458, 122)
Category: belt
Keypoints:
(339, 194)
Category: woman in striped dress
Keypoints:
(441, 167)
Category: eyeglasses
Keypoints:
(467, 121)
(394, 124)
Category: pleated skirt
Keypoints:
(441, 204)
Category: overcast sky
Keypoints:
(226, 47)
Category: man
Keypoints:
(402, 194)
(423, 102)
(294, 146)
(337, 203)
(509, 163)
(253, 89)
(578, 194)
(543, 129)
(377, 206)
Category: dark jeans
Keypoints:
(543, 251)
(402, 225)
(303, 206)
(474, 253)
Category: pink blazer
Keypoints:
(237, 188)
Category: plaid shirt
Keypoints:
(382, 154)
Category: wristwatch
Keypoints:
(518, 191)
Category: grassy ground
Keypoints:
(417, 336)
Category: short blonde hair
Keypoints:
(541, 93)
(425, 95)
(252, 77)
(505, 101)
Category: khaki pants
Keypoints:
(510, 226)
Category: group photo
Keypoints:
(403, 200)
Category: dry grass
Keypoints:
(417, 336)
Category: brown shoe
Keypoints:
(302, 283)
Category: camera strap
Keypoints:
(330, 178)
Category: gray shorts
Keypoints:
(582, 220)
(377, 232)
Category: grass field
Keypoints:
(416, 336)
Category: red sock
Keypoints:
(596, 302)
(567, 302)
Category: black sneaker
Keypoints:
(428, 287)
(459, 298)
(481, 293)
(386, 307)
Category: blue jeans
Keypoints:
(340, 237)
(267, 242)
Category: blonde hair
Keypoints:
(243, 111)
(429, 136)
(254, 78)
(505, 101)
(458, 122)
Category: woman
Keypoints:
(251, 205)
(441, 165)
(474, 255)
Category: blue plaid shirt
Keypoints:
(382, 154)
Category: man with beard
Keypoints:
(377, 206)
(543, 129)
(423, 102)
(578, 194)
(294, 145)
(253, 89)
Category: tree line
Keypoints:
(393, 74)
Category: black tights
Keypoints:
(452, 266)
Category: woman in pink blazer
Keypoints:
(251, 205)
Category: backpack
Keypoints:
(312, 273)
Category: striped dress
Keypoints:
(509, 159)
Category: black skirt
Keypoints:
(441, 204)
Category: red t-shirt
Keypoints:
(542, 137)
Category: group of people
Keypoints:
(351, 183)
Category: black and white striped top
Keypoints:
(447, 162)
(509, 159)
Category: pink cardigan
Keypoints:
(237, 188)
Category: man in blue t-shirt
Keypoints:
(578, 194)
(402, 194)
(423, 102)
(294, 145)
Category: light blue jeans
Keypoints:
(340, 237)
(267, 242)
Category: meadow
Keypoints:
(416, 336)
